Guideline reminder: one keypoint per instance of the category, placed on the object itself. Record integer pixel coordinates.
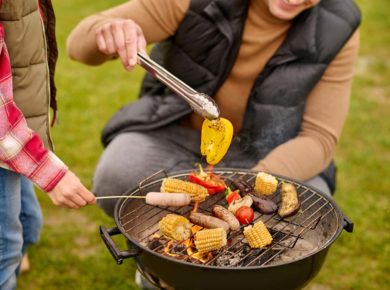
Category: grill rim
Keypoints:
(341, 220)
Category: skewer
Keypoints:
(120, 196)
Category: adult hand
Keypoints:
(123, 38)
(69, 192)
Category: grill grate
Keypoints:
(311, 224)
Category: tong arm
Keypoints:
(201, 103)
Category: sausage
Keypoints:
(220, 212)
(209, 222)
(168, 199)
(290, 203)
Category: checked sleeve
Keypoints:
(21, 149)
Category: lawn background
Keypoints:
(71, 255)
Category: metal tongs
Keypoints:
(200, 103)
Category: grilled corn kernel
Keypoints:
(174, 185)
(265, 183)
(257, 236)
(175, 227)
(210, 240)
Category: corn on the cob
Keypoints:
(257, 236)
(266, 184)
(210, 240)
(175, 227)
(174, 185)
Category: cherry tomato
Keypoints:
(245, 215)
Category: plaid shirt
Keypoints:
(21, 149)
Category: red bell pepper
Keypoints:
(231, 196)
(212, 182)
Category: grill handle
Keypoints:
(347, 223)
(118, 255)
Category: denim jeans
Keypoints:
(20, 224)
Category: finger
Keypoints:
(131, 43)
(87, 196)
(70, 204)
(119, 40)
(109, 40)
(78, 200)
(66, 202)
(101, 43)
(141, 40)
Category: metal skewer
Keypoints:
(200, 103)
(119, 196)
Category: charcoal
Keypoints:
(228, 259)
(178, 249)
(154, 244)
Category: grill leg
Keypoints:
(143, 282)
(148, 282)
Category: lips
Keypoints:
(285, 5)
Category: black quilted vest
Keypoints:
(203, 51)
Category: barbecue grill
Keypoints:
(299, 247)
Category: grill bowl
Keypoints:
(319, 222)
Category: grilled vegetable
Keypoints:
(263, 204)
(260, 202)
(241, 185)
(212, 182)
(175, 227)
(230, 195)
(265, 183)
(168, 199)
(290, 203)
(210, 240)
(245, 215)
(257, 236)
(174, 185)
(236, 204)
(208, 221)
(216, 137)
(220, 212)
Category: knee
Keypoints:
(319, 184)
(110, 180)
(103, 182)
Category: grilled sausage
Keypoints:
(220, 212)
(290, 203)
(209, 222)
(168, 199)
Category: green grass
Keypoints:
(71, 254)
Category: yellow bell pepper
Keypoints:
(216, 137)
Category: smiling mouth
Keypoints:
(289, 6)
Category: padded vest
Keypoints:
(203, 51)
(28, 51)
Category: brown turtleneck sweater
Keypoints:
(302, 157)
